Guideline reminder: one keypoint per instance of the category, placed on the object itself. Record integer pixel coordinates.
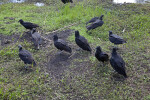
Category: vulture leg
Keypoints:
(38, 47)
(59, 52)
(26, 67)
(72, 54)
(113, 71)
(103, 64)
(116, 46)
(79, 49)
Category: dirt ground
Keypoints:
(56, 64)
(59, 63)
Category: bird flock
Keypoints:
(116, 61)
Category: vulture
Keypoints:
(82, 42)
(28, 25)
(26, 56)
(94, 19)
(115, 38)
(61, 44)
(100, 55)
(95, 24)
(67, 1)
(118, 63)
(36, 38)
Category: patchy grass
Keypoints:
(81, 76)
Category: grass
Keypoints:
(83, 77)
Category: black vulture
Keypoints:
(36, 38)
(67, 1)
(97, 23)
(118, 63)
(115, 38)
(26, 56)
(94, 19)
(82, 42)
(100, 55)
(28, 25)
(61, 44)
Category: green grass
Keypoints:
(84, 77)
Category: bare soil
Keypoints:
(56, 64)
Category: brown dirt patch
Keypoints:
(56, 64)
(59, 64)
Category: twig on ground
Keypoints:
(62, 28)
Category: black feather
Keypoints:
(95, 24)
(61, 44)
(67, 1)
(28, 25)
(82, 42)
(94, 19)
(115, 38)
(100, 55)
(26, 56)
(118, 63)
